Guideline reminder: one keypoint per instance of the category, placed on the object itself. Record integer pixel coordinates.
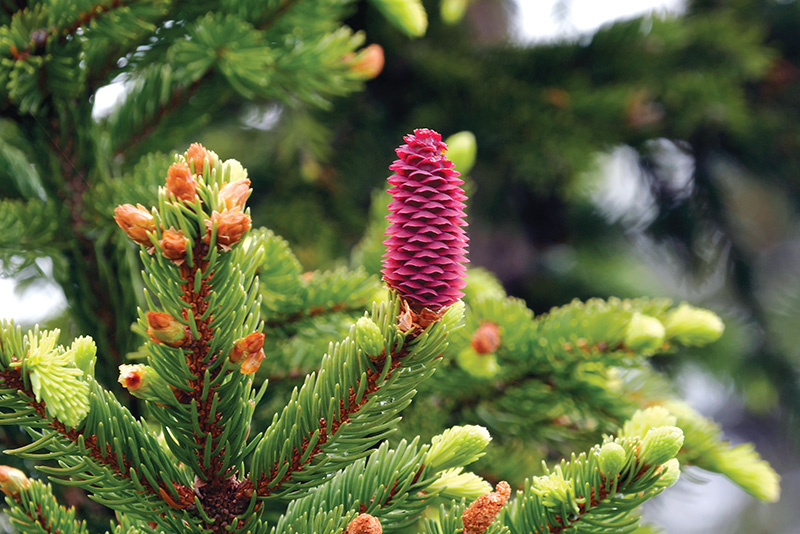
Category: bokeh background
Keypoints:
(625, 148)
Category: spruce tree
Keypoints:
(209, 323)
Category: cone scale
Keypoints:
(426, 248)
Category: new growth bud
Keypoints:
(457, 446)
(250, 343)
(660, 444)
(611, 459)
(368, 63)
(670, 473)
(12, 480)
(196, 155)
(364, 524)
(693, 326)
(644, 334)
(486, 339)
(481, 513)
(231, 225)
(252, 362)
(369, 338)
(462, 149)
(426, 248)
(234, 194)
(249, 351)
(136, 222)
(173, 244)
(163, 328)
(142, 381)
(181, 183)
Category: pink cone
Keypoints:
(427, 245)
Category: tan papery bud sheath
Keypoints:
(135, 221)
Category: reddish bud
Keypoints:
(235, 193)
(231, 224)
(368, 63)
(426, 248)
(173, 244)
(165, 329)
(486, 339)
(12, 480)
(135, 221)
(181, 183)
(364, 524)
(251, 362)
(251, 343)
(196, 156)
(481, 513)
(131, 376)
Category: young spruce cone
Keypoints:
(426, 248)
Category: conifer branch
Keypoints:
(40, 37)
(180, 95)
(273, 18)
(80, 445)
(349, 400)
(34, 509)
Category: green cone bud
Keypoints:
(369, 337)
(660, 444)
(457, 446)
(644, 334)
(462, 149)
(611, 459)
(693, 326)
(670, 473)
(478, 365)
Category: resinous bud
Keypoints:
(660, 444)
(173, 244)
(231, 225)
(136, 222)
(369, 338)
(250, 343)
(181, 183)
(164, 328)
(234, 194)
(251, 362)
(12, 480)
(368, 63)
(142, 381)
(644, 334)
(196, 156)
(693, 326)
(486, 338)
